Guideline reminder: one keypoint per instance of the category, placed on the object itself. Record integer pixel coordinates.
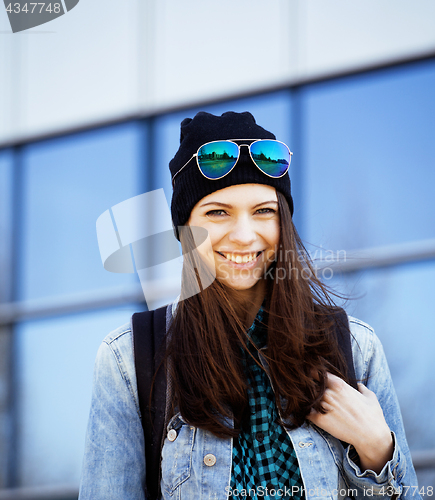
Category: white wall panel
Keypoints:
(107, 59)
(10, 91)
(205, 49)
(342, 34)
(79, 68)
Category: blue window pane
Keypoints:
(6, 166)
(56, 359)
(271, 111)
(369, 158)
(397, 302)
(68, 183)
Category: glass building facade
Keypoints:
(363, 179)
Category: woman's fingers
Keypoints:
(367, 392)
(336, 383)
(346, 409)
(326, 407)
(338, 392)
(356, 417)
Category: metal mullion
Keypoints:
(6, 344)
(381, 257)
(297, 172)
(17, 223)
(58, 492)
(5, 369)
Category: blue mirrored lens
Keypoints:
(216, 159)
(272, 157)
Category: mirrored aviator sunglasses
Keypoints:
(216, 159)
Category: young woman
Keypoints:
(262, 403)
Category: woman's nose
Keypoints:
(243, 232)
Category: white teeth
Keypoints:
(238, 259)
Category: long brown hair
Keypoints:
(206, 339)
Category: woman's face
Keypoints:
(243, 227)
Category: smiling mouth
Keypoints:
(241, 259)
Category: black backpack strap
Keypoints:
(342, 330)
(149, 329)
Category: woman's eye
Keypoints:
(266, 211)
(216, 213)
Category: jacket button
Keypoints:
(209, 460)
(304, 445)
(172, 435)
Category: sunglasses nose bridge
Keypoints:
(244, 152)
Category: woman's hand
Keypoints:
(356, 417)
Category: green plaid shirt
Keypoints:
(265, 465)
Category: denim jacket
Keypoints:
(196, 465)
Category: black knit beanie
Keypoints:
(191, 186)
